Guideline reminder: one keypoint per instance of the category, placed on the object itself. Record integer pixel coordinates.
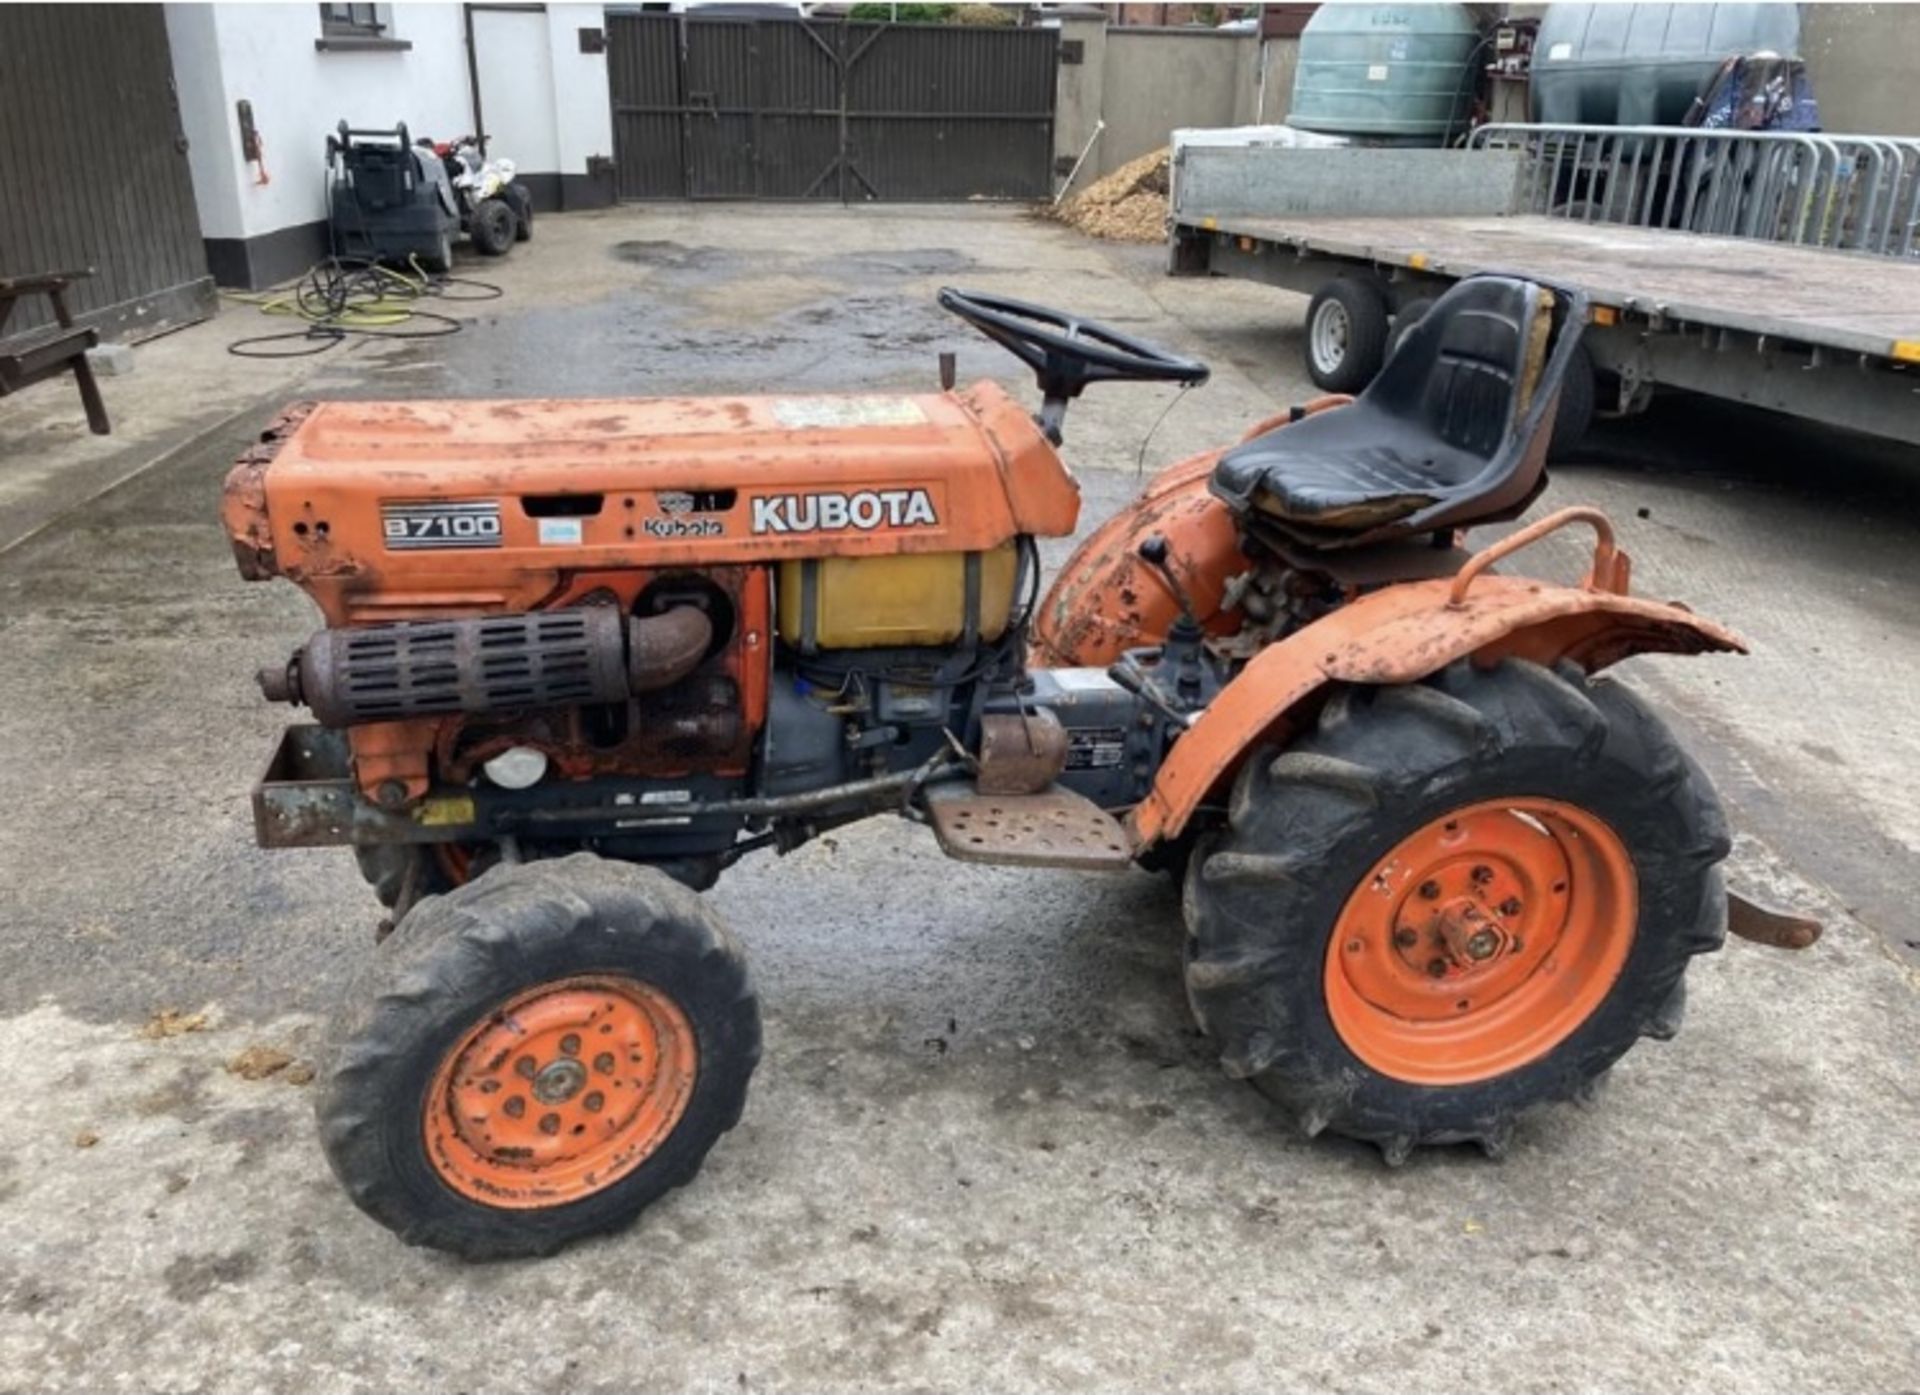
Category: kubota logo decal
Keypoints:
(866, 510)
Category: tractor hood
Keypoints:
(504, 495)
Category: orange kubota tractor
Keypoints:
(580, 657)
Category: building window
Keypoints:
(352, 21)
(358, 29)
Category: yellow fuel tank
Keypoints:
(884, 602)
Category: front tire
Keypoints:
(1337, 924)
(491, 226)
(537, 1056)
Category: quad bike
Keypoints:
(496, 210)
(579, 657)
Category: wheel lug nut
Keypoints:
(1436, 968)
(1482, 874)
(1405, 938)
(549, 1124)
(1430, 890)
(1510, 906)
(514, 1107)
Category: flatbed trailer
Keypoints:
(1815, 332)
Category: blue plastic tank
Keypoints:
(1392, 71)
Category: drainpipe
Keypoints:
(473, 81)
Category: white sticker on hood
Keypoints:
(805, 412)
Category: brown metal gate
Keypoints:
(811, 109)
(93, 168)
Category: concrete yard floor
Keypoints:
(986, 1148)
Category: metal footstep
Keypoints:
(1055, 828)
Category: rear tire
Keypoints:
(580, 944)
(1347, 329)
(1275, 901)
(522, 201)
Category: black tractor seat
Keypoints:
(1453, 431)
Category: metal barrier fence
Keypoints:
(1860, 193)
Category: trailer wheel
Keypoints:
(1453, 901)
(1574, 416)
(491, 226)
(1347, 330)
(538, 1055)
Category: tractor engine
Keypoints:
(669, 631)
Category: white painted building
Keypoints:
(536, 82)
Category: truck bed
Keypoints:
(1840, 300)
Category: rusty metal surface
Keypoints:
(1105, 600)
(1767, 925)
(658, 483)
(662, 649)
(307, 799)
(1020, 753)
(431, 668)
(243, 505)
(1609, 571)
(1056, 828)
(1400, 635)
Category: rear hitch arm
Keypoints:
(1767, 925)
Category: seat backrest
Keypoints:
(1452, 431)
(1482, 370)
(1468, 368)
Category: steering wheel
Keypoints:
(1066, 352)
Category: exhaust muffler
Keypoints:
(544, 658)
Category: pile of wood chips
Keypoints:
(1129, 205)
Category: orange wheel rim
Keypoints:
(561, 1092)
(1482, 941)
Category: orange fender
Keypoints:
(1105, 600)
(1404, 633)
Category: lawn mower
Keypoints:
(581, 656)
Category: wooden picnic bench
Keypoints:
(52, 349)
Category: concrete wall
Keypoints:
(1147, 83)
(544, 101)
(583, 104)
(1865, 64)
(1155, 80)
(1279, 59)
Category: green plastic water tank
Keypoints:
(1642, 65)
(1396, 71)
